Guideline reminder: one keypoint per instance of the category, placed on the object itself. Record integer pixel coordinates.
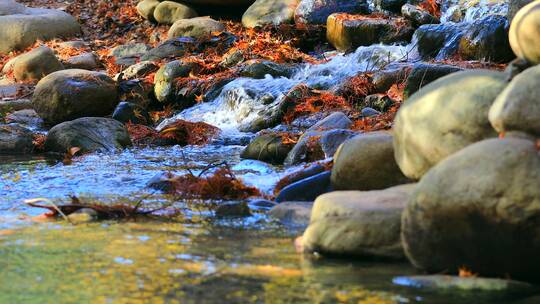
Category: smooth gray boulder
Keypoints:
(90, 134)
(358, 223)
(70, 94)
(478, 209)
(444, 117)
(168, 12)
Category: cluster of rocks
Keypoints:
(455, 184)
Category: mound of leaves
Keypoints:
(222, 184)
(180, 132)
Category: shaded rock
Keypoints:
(383, 80)
(307, 189)
(425, 73)
(358, 223)
(129, 112)
(476, 202)
(146, 9)
(267, 148)
(378, 102)
(440, 41)
(168, 12)
(515, 67)
(162, 181)
(168, 49)
(137, 91)
(90, 134)
(127, 54)
(368, 112)
(517, 108)
(15, 105)
(336, 120)
(317, 11)
(317, 145)
(487, 39)
(348, 32)
(298, 175)
(293, 214)
(366, 162)
(232, 58)
(456, 283)
(524, 34)
(417, 15)
(69, 94)
(234, 209)
(444, 117)
(195, 27)
(15, 139)
(36, 64)
(164, 85)
(264, 12)
(393, 6)
(260, 68)
(140, 70)
(27, 118)
(85, 61)
(23, 28)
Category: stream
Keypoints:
(194, 257)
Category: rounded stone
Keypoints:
(195, 27)
(524, 34)
(168, 12)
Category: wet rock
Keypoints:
(146, 9)
(168, 12)
(417, 15)
(487, 39)
(366, 162)
(69, 94)
(347, 32)
(479, 198)
(85, 61)
(439, 41)
(336, 120)
(292, 214)
(524, 34)
(301, 174)
(15, 105)
(473, 284)
(424, 73)
(317, 11)
(90, 134)
(36, 64)
(140, 70)
(264, 12)
(514, 6)
(358, 223)
(15, 139)
(444, 117)
(235, 209)
(27, 118)
(267, 148)
(383, 80)
(22, 26)
(307, 189)
(164, 86)
(378, 103)
(195, 27)
(517, 107)
(258, 69)
(317, 145)
(393, 6)
(129, 112)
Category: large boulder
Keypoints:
(487, 39)
(348, 32)
(478, 209)
(444, 117)
(15, 139)
(265, 12)
(36, 64)
(366, 162)
(517, 108)
(195, 27)
(89, 134)
(168, 12)
(70, 94)
(524, 34)
(317, 11)
(21, 26)
(358, 223)
(424, 73)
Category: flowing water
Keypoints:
(194, 257)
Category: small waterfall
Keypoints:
(470, 10)
(242, 99)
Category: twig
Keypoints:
(31, 202)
